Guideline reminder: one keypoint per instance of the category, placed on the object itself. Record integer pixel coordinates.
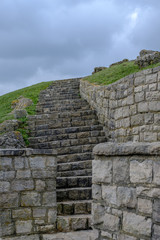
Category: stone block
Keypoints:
(109, 194)
(102, 171)
(98, 211)
(150, 136)
(43, 174)
(136, 224)
(23, 227)
(142, 107)
(141, 172)
(111, 222)
(139, 80)
(126, 237)
(156, 232)
(51, 162)
(52, 216)
(22, 185)
(40, 185)
(19, 163)
(9, 200)
(37, 162)
(156, 171)
(49, 199)
(139, 97)
(154, 106)
(79, 224)
(7, 229)
(7, 175)
(30, 199)
(39, 212)
(120, 170)
(4, 186)
(22, 174)
(96, 191)
(6, 163)
(22, 213)
(149, 118)
(151, 78)
(156, 210)
(144, 206)
(63, 224)
(137, 120)
(126, 197)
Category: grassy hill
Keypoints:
(116, 72)
(31, 92)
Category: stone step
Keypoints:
(84, 172)
(71, 166)
(73, 223)
(81, 131)
(72, 194)
(64, 150)
(66, 140)
(62, 108)
(70, 182)
(58, 115)
(62, 102)
(74, 207)
(74, 157)
(76, 235)
(62, 124)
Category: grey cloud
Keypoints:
(44, 40)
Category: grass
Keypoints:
(116, 72)
(31, 92)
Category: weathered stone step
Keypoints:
(73, 223)
(65, 96)
(81, 131)
(70, 182)
(69, 166)
(62, 108)
(72, 194)
(62, 124)
(74, 157)
(84, 172)
(56, 115)
(67, 140)
(64, 150)
(74, 207)
(60, 102)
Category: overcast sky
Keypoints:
(43, 40)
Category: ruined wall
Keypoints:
(27, 192)
(129, 108)
(126, 191)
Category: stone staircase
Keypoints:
(66, 122)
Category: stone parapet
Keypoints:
(27, 192)
(126, 190)
(129, 109)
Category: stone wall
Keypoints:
(129, 109)
(27, 192)
(126, 191)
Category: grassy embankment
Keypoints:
(31, 92)
(116, 72)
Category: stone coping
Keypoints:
(129, 148)
(27, 152)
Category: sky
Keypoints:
(44, 40)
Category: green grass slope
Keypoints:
(116, 72)
(31, 92)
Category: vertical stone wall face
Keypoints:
(129, 109)
(27, 192)
(126, 191)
